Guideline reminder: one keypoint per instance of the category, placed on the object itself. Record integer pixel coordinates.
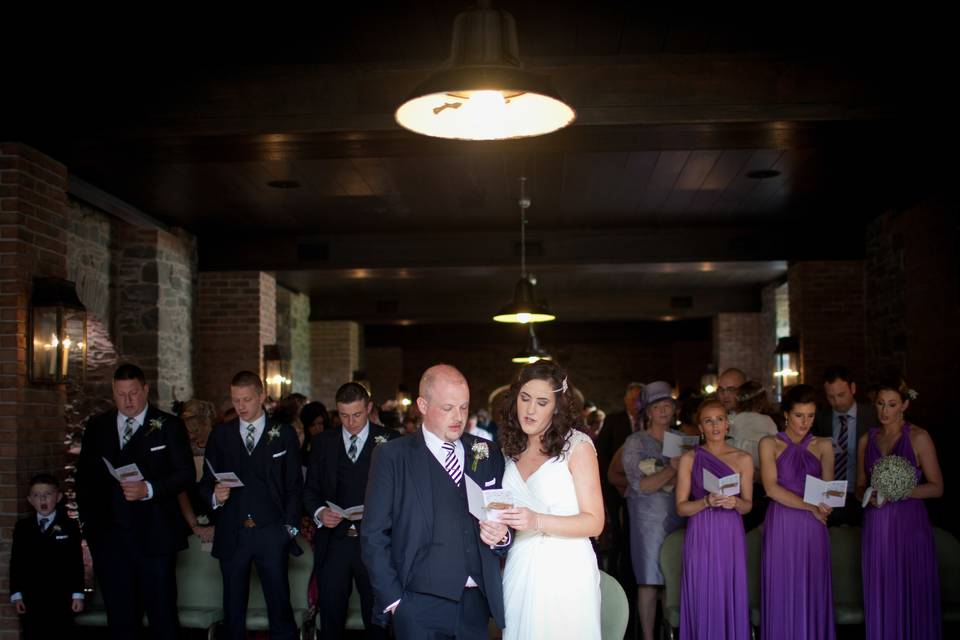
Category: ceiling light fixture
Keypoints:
(524, 308)
(483, 93)
(532, 351)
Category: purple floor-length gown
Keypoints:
(714, 602)
(901, 586)
(797, 600)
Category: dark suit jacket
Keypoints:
(615, 430)
(162, 452)
(276, 459)
(398, 519)
(866, 420)
(46, 567)
(321, 482)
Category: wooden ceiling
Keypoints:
(675, 112)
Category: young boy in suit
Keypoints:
(46, 564)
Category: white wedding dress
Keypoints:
(551, 585)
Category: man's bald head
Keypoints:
(444, 402)
(439, 373)
(728, 384)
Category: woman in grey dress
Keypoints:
(650, 498)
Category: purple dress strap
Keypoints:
(901, 584)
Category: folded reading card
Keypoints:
(832, 494)
(727, 485)
(487, 504)
(676, 443)
(126, 473)
(353, 513)
(228, 478)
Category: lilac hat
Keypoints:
(657, 391)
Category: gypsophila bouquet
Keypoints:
(893, 478)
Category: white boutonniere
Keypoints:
(155, 425)
(380, 440)
(480, 452)
(56, 528)
(273, 434)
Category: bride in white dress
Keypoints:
(551, 584)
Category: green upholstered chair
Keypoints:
(299, 572)
(847, 580)
(614, 609)
(94, 611)
(948, 556)
(199, 588)
(671, 565)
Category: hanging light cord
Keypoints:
(524, 203)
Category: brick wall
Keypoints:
(334, 356)
(236, 317)
(33, 206)
(827, 314)
(738, 341)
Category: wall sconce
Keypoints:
(276, 367)
(786, 370)
(708, 381)
(57, 332)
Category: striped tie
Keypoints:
(127, 432)
(451, 464)
(352, 451)
(251, 443)
(840, 465)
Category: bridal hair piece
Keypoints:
(750, 395)
(563, 387)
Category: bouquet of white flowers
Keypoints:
(893, 478)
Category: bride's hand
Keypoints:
(520, 519)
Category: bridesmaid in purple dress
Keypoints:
(714, 602)
(797, 600)
(901, 587)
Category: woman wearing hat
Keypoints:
(650, 500)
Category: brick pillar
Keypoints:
(738, 342)
(236, 317)
(32, 424)
(827, 314)
(335, 355)
(154, 283)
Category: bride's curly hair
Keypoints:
(566, 416)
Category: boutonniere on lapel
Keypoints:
(155, 425)
(380, 440)
(273, 434)
(56, 528)
(480, 452)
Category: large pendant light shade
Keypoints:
(483, 93)
(524, 308)
(532, 351)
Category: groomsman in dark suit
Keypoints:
(844, 421)
(338, 470)
(432, 567)
(134, 528)
(46, 564)
(256, 524)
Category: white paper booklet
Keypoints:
(487, 504)
(676, 443)
(727, 485)
(228, 478)
(126, 473)
(832, 494)
(353, 513)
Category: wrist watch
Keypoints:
(292, 531)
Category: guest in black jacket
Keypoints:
(337, 473)
(255, 523)
(134, 528)
(46, 564)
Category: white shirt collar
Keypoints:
(852, 412)
(361, 437)
(52, 518)
(259, 425)
(138, 421)
(435, 445)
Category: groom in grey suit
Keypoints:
(433, 569)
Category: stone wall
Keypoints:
(300, 367)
